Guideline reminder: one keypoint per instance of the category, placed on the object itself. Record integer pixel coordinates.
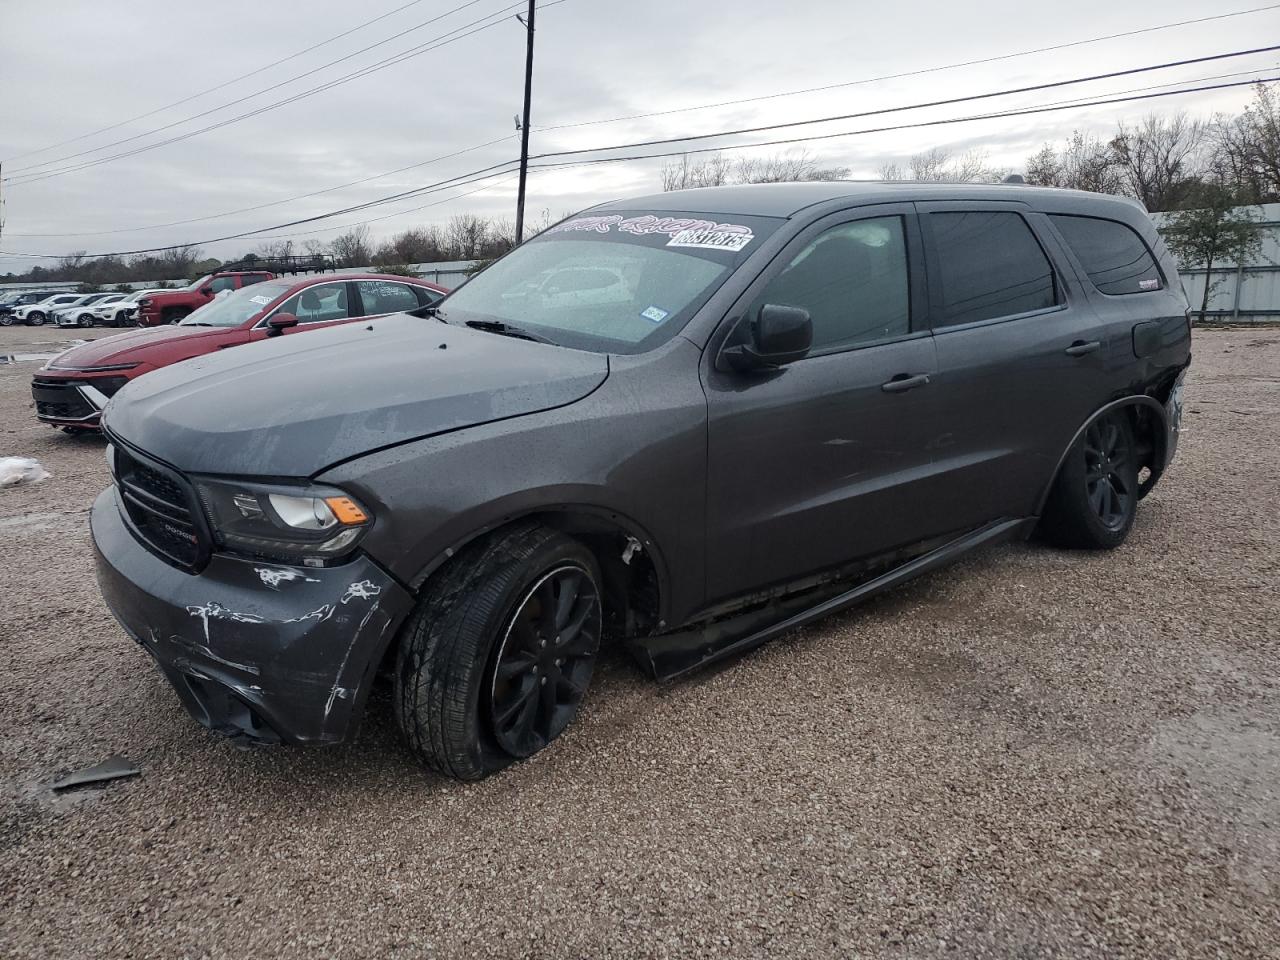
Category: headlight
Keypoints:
(310, 525)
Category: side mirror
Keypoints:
(280, 323)
(207, 291)
(779, 335)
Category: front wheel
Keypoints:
(35, 318)
(1095, 497)
(86, 321)
(8, 320)
(494, 663)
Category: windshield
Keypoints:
(235, 308)
(622, 282)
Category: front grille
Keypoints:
(161, 508)
(60, 400)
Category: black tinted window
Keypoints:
(852, 279)
(1113, 255)
(990, 265)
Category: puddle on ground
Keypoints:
(40, 351)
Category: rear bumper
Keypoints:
(255, 651)
(1173, 418)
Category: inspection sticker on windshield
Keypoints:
(720, 236)
(260, 299)
(656, 314)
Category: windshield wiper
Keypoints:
(508, 330)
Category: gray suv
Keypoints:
(683, 423)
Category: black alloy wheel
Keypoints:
(1107, 473)
(543, 665)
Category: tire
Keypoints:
(483, 611)
(85, 321)
(1094, 498)
(35, 318)
(7, 320)
(174, 315)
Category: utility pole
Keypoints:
(524, 126)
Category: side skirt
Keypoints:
(672, 655)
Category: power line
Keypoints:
(257, 93)
(450, 37)
(225, 83)
(493, 171)
(911, 73)
(927, 70)
(915, 106)
(276, 203)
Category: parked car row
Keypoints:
(685, 424)
(72, 389)
(38, 307)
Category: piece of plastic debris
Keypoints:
(113, 768)
(18, 470)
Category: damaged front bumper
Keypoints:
(256, 651)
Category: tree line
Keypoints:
(1206, 173)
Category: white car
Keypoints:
(120, 313)
(80, 312)
(37, 313)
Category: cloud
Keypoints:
(594, 60)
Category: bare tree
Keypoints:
(784, 168)
(685, 173)
(178, 261)
(1160, 160)
(939, 165)
(1247, 147)
(466, 235)
(1084, 163)
(351, 249)
(278, 248)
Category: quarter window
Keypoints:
(1112, 254)
(990, 265)
(318, 304)
(384, 296)
(852, 279)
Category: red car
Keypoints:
(71, 390)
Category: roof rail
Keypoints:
(310, 263)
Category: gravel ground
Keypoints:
(1033, 753)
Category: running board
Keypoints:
(672, 655)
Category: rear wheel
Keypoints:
(495, 662)
(1095, 497)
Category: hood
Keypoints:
(294, 405)
(130, 347)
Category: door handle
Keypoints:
(903, 382)
(1081, 347)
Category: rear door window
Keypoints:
(1112, 254)
(990, 265)
(385, 296)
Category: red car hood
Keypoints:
(158, 345)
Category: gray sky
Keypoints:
(68, 68)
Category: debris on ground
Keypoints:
(113, 768)
(15, 471)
